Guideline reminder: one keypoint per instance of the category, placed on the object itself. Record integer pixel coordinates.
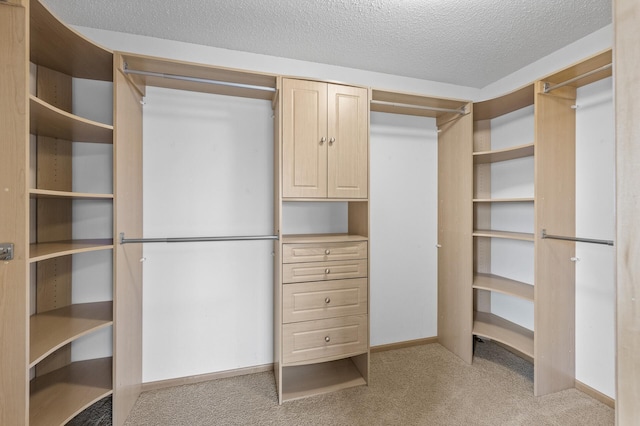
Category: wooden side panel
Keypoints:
(277, 245)
(482, 211)
(627, 105)
(455, 220)
(348, 150)
(127, 295)
(14, 200)
(304, 139)
(555, 211)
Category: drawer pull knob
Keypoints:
(327, 271)
(327, 339)
(327, 300)
(327, 252)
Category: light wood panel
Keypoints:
(13, 224)
(400, 103)
(496, 328)
(45, 193)
(503, 285)
(455, 222)
(555, 128)
(321, 238)
(490, 233)
(503, 200)
(505, 154)
(582, 67)
(315, 252)
(58, 396)
(627, 105)
(320, 271)
(502, 105)
(43, 251)
(127, 294)
(277, 245)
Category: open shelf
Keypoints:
(47, 193)
(47, 120)
(56, 397)
(44, 251)
(322, 238)
(496, 328)
(314, 379)
(53, 329)
(503, 234)
(411, 104)
(504, 200)
(492, 108)
(520, 151)
(61, 48)
(503, 285)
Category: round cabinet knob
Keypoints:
(327, 252)
(331, 141)
(327, 339)
(327, 300)
(322, 140)
(327, 271)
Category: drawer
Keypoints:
(321, 252)
(324, 299)
(303, 342)
(322, 271)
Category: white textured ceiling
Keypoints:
(464, 42)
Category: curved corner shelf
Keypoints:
(492, 108)
(47, 120)
(520, 151)
(503, 285)
(47, 193)
(57, 397)
(504, 200)
(496, 328)
(61, 48)
(488, 233)
(53, 329)
(50, 250)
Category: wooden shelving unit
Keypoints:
(496, 328)
(45, 193)
(522, 236)
(503, 285)
(521, 151)
(50, 250)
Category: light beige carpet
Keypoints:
(422, 385)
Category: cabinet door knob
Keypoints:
(327, 251)
(327, 300)
(331, 141)
(327, 339)
(327, 271)
(322, 140)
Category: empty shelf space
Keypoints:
(53, 329)
(520, 151)
(503, 234)
(47, 193)
(503, 285)
(314, 379)
(321, 238)
(504, 200)
(43, 251)
(496, 328)
(58, 396)
(47, 120)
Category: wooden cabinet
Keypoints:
(325, 140)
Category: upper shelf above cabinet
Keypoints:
(61, 48)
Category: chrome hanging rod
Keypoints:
(126, 70)
(580, 240)
(548, 87)
(461, 110)
(124, 240)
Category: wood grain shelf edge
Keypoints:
(494, 327)
(503, 285)
(49, 250)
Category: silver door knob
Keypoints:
(327, 271)
(327, 300)
(327, 252)
(322, 140)
(331, 141)
(327, 339)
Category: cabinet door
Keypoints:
(348, 118)
(304, 135)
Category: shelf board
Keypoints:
(503, 234)
(43, 251)
(321, 238)
(53, 329)
(315, 379)
(412, 104)
(47, 120)
(513, 101)
(61, 48)
(504, 200)
(503, 285)
(520, 151)
(47, 193)
(56, 397)
(496, 328)
(583, 67)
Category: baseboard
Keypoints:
(599, 396)
(405, 344)
(169, 383)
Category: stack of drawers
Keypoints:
(324, 301)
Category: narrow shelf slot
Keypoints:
(504, 200)
(43, 251)
(314, 379)
(56, 397)
(47, 120)
(47, 193)
(496, 328)
(503, 285)
(53, 329)
(321, 238)
(520, 151)
(488, 233)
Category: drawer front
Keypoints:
(324, 299)
(321, 252)
(322, 271)
(324, 339)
